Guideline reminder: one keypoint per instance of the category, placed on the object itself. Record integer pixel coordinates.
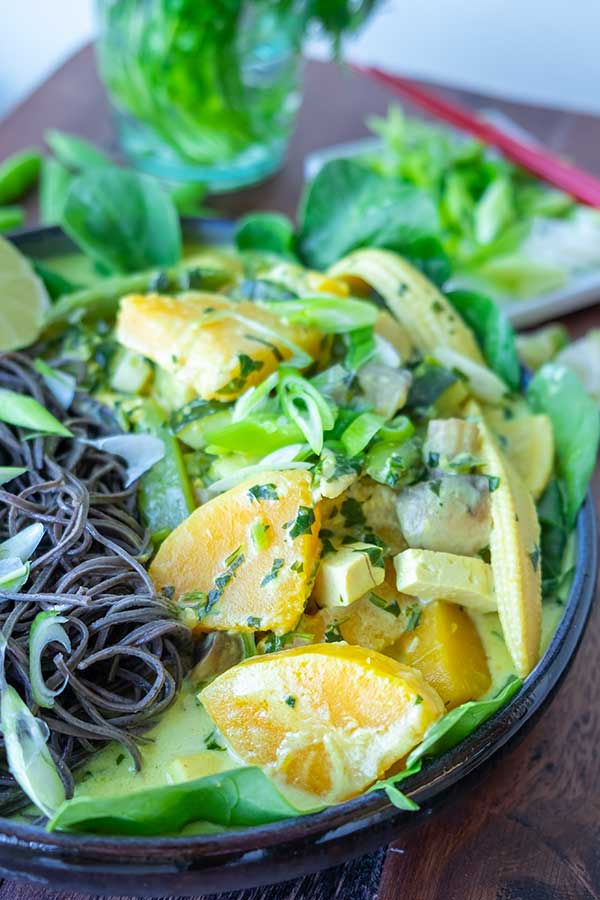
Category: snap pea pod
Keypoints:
(101, 299)
(55, 180)
(18, 173)
(56, 285)
(74, 152)
(165, 495)
(11, 217)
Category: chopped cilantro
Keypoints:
(291, 701)
(418, 700)
(374, 554)
(392, 608)
(352, 512)
(233, 562)
(263, 492)
(272, 347)
(274, 642)
(247, 366)
(303, 523)
(211, 742)
(333, 633)
(413, 616)
(297, 566)
(435, 487)
(253, 622)
(534, 556)
(272, 575)
(493, 482)
(433, 460)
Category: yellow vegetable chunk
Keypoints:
(348, 573)
(422, 310)
(432, 575)
(328, 719)
(198, 765)
(446, 648)
(528, 442)
(514, 552)
(218, 357)
(249, 586)
(377, 620)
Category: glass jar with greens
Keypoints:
(207, 90)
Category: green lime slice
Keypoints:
(23, 300)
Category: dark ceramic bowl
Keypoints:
(243, 858)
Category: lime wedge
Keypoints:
(23, 300)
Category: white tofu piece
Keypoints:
(347, 574)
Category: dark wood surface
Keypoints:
(528, 826)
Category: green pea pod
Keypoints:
(11, 217)
(55, 180)
(18, 173)
(75, 152)
(165, 494)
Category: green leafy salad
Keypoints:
(280, 522)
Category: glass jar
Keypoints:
(202, 91)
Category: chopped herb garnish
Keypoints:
(413, 616)
(211, 742)
(274, 642)
(263, 492)
(272, 347)
(291, 701)
(352, 512)
(297, 566)
(272, 575)
(253, 622)
(119, 759)
(418, 700)
(333, 633)
(233, 562)
(392, 608)
(493, 482)
(247, 366)
(534, 556)
(303, 523)
(433, 460)
(435, 487)
(375, 555)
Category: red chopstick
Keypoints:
(580, 184)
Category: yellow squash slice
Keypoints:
(248, 556)
(328, 719)
(422, 311)
(209, 343)
(432, 575)
(528, 442)
(514, 551)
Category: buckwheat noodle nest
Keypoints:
(129, 650)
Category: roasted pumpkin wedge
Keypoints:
(328, 719)
(245, 561)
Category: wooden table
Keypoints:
(528, 827)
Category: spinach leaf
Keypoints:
(552, 514)
(556, 391)
(266, 232)
(235, 798)
(456, 725)
(122, 220)
(349, 206)
(493, 331)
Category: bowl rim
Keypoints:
(368, 809)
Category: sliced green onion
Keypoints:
(29, 759)
(25, 412)
(47, 628)
(299, 358)
(253, 398)
(291, 453)
(398, 429)
(224, 484)
(23, 544)
(360, 432)
(361, 347)
(13, 573)
(327, 312)
(303, 404)
(60, 384)
(7, 473)
(140, 452)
